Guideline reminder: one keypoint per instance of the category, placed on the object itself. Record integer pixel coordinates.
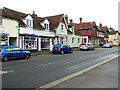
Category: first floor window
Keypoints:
(61, 27)
(78, 40)
(0, 21)
(72, 40)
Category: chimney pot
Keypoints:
(71, 21)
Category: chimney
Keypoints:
(71, 21)
(80, 20)
(100, 24)
(66, 18)
(33, 12)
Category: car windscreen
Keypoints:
(57, 45)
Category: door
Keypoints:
(9, 52)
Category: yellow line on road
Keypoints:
(73, 75)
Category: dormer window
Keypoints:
(46, 26)
(29, 23)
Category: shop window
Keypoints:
(29, 43)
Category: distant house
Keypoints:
(114, 37)
(34, 32)
(8, 29)
(88, 31)
(74, 36)
(59, 26)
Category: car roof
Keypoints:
(7, 46)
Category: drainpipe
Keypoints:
(18, 40)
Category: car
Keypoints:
(107, 45)
(86, 46)
(11, 52)
(61, 48)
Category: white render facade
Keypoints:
(9, 27)
(35, 39)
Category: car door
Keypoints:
(9, 52)
(19, 52)
(64, 48)
(68, 49)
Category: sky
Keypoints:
(100, 11)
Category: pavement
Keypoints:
(104, 76)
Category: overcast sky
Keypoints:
(100, 11)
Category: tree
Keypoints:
(112, 29)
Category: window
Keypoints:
(0, 21)
(73, 30)
(46, 26)
(29, 23)
(29, 43)
(72, 40)
(61, 27)
(61, 40)
(8, 49)
(17, 49)
(78, 40)
(88, 31)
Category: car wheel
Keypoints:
(27, 56)
(5, 59)
(62, 52)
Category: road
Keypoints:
(43, 69)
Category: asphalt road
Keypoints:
(43, 69)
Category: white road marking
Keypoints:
(3, 72)
(52, 63)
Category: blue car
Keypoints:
(11, 52)
(62, 48)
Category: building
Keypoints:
(88, 31)
(59, 26)
(114, 37)
(8, 29)
(33, 32)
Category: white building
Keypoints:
(8, 28)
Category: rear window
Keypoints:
(83, 44)
(56, 45)
(8, 49)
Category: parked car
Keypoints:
(107, 45)
(86, 46)
(11, 52)
(62, 48)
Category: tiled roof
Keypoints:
(85, 25)
(37, 21)
(18, 15)
(12, 13)
(54, 20)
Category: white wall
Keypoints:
(75, 44)
(10, 27)
(30, 31)
(61, 32)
